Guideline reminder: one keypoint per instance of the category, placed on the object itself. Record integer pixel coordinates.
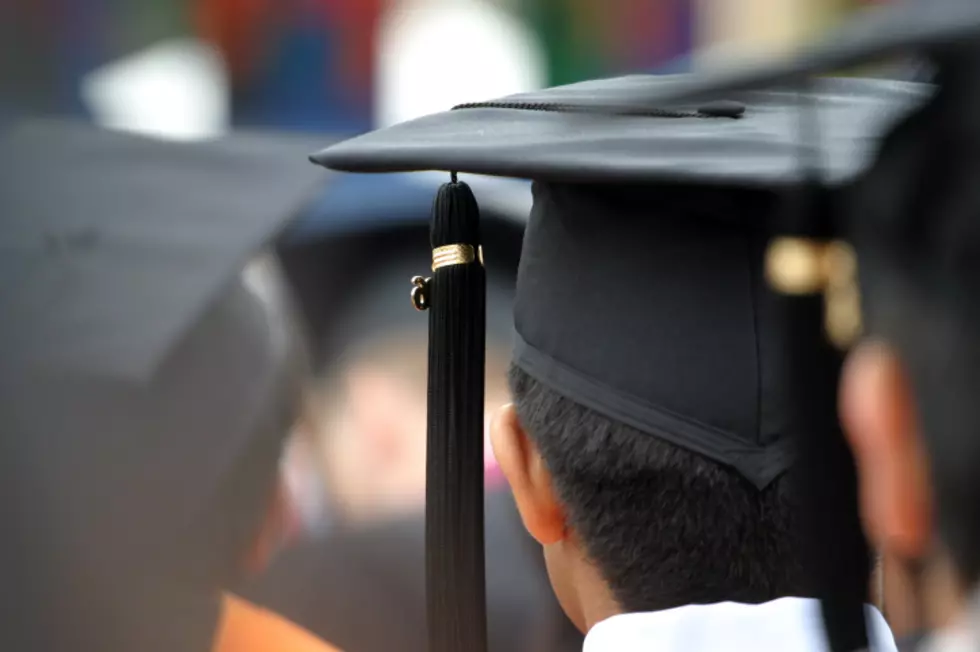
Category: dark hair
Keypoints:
(936, 334)
(666, 527)
(917, 234)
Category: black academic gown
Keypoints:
(364, 591)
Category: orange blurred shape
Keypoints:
(248, 628)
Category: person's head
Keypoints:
(644, 444)
(368, 434)
(640, 522)
(908, 397)
(145, 389)
(919, 493)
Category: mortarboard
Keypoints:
(655, 200)
(143, 364)
(129, 238)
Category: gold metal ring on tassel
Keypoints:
(455, 254)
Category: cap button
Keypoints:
(722, 109)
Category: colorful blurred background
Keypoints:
(346, 65)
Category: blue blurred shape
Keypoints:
(358, 203)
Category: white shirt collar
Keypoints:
(784, 625)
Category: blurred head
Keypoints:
(909, 393)
(918, 491)
(631, 523)
(371, 423)
(368, 425)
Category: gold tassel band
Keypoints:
(799, 266)
(455, 255)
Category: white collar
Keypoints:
(784, 625)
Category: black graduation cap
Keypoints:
(129, 238)
(143, 364)
(655, 201)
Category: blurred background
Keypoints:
(199, 69)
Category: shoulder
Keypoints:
(246, 627)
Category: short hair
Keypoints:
(665, 527)
(936, 335)
(918, 242)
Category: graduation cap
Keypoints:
(130, 238)
(656, 201)
(144, 365)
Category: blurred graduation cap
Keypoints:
(645, 179)
(147, 362)
(114, 245)
(386, 217)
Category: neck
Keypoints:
(598, 611)
(594, 601)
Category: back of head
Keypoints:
(666, 527)
(919, 243)
(144, 496)
(651, 386)
(139, 377)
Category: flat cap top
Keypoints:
(112, 245)
(619, 130)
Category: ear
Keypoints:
(879, 417)
(529, 478)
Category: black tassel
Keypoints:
(838, 553)
(838, 558)
(456, 298)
